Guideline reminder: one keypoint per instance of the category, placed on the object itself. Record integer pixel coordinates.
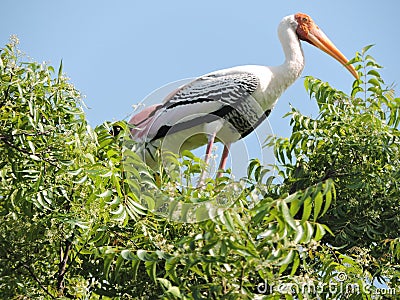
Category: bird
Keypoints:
(226, 105)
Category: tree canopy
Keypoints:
(82, 217)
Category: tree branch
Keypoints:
(6, 141)
(29, 269)
(63, 263)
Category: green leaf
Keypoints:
(128, 255)
(151, 268)
(35, 157)
(105, 194)
(287, 259)
(118, 265)
(253, 164)
(295, 206)
(307, 208)
(144, 255)
(81, 180)
(308, 228)
(318, 200)
(32, 147)
(243, 250)
(90, 157)
(165, 283)
(80, 224)
(229, 221)
(135, 268)
(75, 172)
(42, 201)
(374, 82)
(272, 229)
(171, 290)
(328, 201)
(138, 207)
(60, 69)
(286, 214)
(118, 210)
(366, 48)
(320, 232)
(374, 73)
(299, 233)
(296, 263)
(108, 259)
(174, 290)
(188, 154)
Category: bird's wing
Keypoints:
(201, 101)
(225, 87)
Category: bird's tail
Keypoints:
(143, 121)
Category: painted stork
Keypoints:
(226, 105)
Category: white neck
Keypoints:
(291, 69)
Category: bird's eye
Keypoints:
(305, 19)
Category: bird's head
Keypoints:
(308, 31)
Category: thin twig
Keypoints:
(5, 139)
(28, 268)
(47, 132)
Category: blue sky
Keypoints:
(117, 52)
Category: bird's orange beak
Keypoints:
(310, 32)
(318, 38)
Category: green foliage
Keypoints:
(354, 142)
(82, 217)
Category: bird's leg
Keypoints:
(224, 159)
(211, 139)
